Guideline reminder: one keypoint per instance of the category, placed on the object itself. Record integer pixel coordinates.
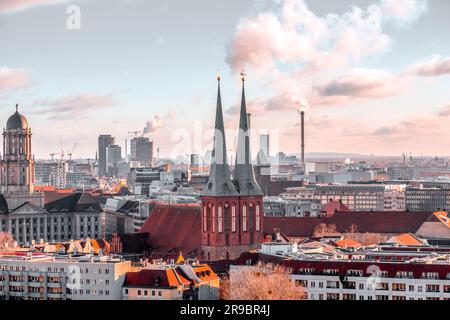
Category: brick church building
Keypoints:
(232, 204)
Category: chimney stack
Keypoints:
(302, 115)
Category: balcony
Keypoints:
(36, 294)
(35, 284)
(54, 284)
(54, 295)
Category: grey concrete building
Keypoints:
(104, 141)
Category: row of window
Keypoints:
(251, 218)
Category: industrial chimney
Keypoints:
(302, 115)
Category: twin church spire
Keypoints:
(243, 182)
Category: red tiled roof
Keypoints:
(407, 239)
(442, 216)
(334, 206)
(343, 267)
(373, 222)
(348, 243)
(174, 227)
(151, 278)
(204, 272)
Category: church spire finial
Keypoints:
(243, 76)
(17, 107)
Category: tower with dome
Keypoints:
(17, 163)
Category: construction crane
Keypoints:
(61, 153)
(70, 152)
(135, 133)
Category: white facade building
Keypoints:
(45, 277)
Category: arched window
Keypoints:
(244, 217)
(258, 218)
(213, 220)
(226, 217)
(233, 218)
(251, 216)
(219, 218)
(208, 222)
(205, 218)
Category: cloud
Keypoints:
(14, 79)
(434, 66)
(403, 10)
(294, 34)
(7, 6)
(444, 112)
(159, 121)
(296, 50)
(363, 83)
(74, 106)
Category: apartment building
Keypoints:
(51, 173)
(427, 199)
(345, 280)
(38, 276)
(355, 197)
(390, 275)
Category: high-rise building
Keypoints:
(142, 151)
(264, 144)
(17, 165)
(232, 210)
(195, 163)
(104, 141)
(51, 173)
(113, 157)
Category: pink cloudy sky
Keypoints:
(372, 74)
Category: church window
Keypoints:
(205, 219)
(219, 219)
(233, 218)
(226, 216)
(213, 220)
(258, 218)
(244, 218)
(251, 216)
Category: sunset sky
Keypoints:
(374, 75)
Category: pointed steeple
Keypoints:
(243, 175)
(219, 183)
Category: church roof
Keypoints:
(174, 228)
(17, 121)
(75, 202)
(243, 175)
(219, 182)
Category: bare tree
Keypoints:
(325, 230)
(261, 282)
(368, 239)
(6, 241)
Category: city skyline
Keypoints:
(370, 88)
